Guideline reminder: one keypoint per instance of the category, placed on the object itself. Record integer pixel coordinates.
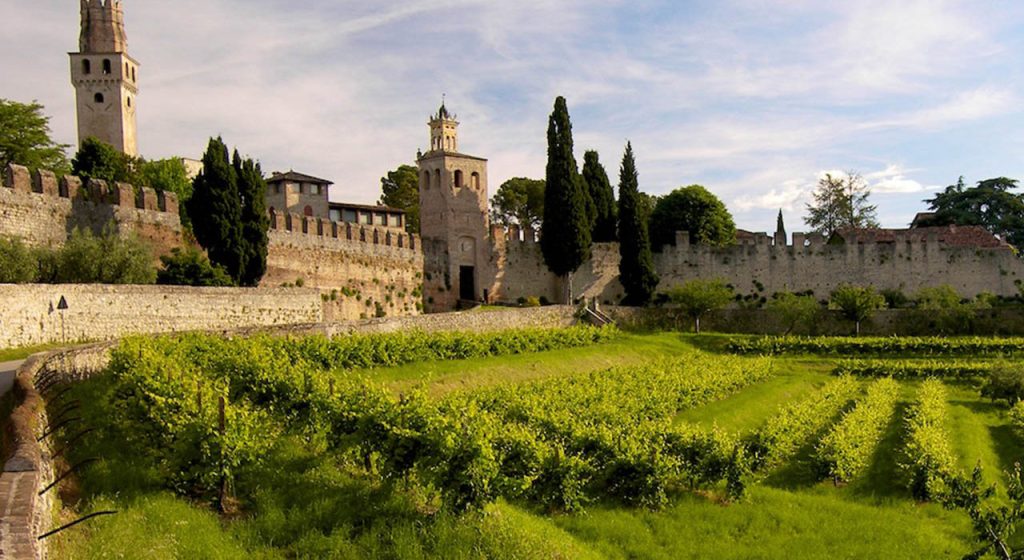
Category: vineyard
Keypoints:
(648, 448)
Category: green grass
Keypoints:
(306, 503)
(22, 352)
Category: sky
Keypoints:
(754, 99)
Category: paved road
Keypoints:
(7, 370)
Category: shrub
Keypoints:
(1005, 383)
(191, 267)
(104, 259)
(856, 303)
(18, 263)
(697, 297)
(794, 310)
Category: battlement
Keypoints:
(319, 228)
(45, 183)
(513, 235)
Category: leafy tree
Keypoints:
(401, 189)
(96, 159)
(18, 263)
(108, 258)
(695, 210)
(519, 201)
(696, 297)
(25, 138)
(840, 202)
(167, 175)
(255, 222)
(994, 525)
(793, 309)
(990, 204)
(215, 210)
(1005, 383)
(856, 303)
(602, 196)
(565, 239)
(636, 267)
(188, 266)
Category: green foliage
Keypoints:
(845, 451)
(994, 525)
(98, 160)
(565, 238)
(840, 202)
(519, 201)
(795, 423)
(967, 347)
(401, 189)
(1005, 383)
(780, 225)
(695, 210)
(990, 204)
(189, 267)
(697, 297)
(915, 369)
(603, 197)
(25, 138)
(166, 175)
(856, 303)
(255, 221)
(107, 258)
(1016, 415)
(794, 310)
(928, 459)
(18, 263)
(636, 267)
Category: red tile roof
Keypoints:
(954, 236)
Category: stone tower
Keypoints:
(453, 219)
(105, 77)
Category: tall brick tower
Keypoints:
(453, 219)
(105, 77)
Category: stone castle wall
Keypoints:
(43, 210)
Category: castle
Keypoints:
(366, 265)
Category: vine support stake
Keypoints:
(68, 473)
(75, 522)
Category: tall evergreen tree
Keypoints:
(636, 269)
(565, 231)
(252, 189)
(602, 196)
(215, 210)
(780, 226)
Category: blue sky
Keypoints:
(753, 99)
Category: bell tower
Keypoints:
(453, 219)
(105, 77)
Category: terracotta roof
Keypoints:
(297, 177)
(371, 207)
(954, 236)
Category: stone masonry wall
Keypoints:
(43, 210)
(361, 271)
(100, 312)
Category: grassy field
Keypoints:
(307, 504)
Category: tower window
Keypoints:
(475, 180)
(308, 210)
(98, 98)
(426, 180)
(437, 178)
(106, 65)
(129, 101)
(86, 67)
(458, 179)
(126, 70)
(133, 74)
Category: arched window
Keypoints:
(133, 74)
(98, 98)
(437, 178)
(129, 101)
(106, 65)
(426, 180)
(86, 66)
(126, 70)
(458, 179)
(475, 180)
(307, 211)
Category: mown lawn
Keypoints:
(307, 504)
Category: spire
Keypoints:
(780, 227)
(102, 27)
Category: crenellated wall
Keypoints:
(362, 271)
(43, 209)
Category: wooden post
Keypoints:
(222, 426)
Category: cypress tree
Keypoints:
(600, 189)
(780, 226)
(255, 222)
(565, 230)
(636, 269)
(215, 210)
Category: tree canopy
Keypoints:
(25, 138)
(255, 222)
(697, 297)
(602, 196)
(839, 202)
(519, 201)
(96, 159)
(989, 204)
(400, 188)
(856, 303)
(695, 210)
(636, 266)
(565, 239)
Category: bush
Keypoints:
(18, 263)
(104, 259)
(191, 267)
(697, 297)
(794, 310)
(856, 303)
(1005, 383)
